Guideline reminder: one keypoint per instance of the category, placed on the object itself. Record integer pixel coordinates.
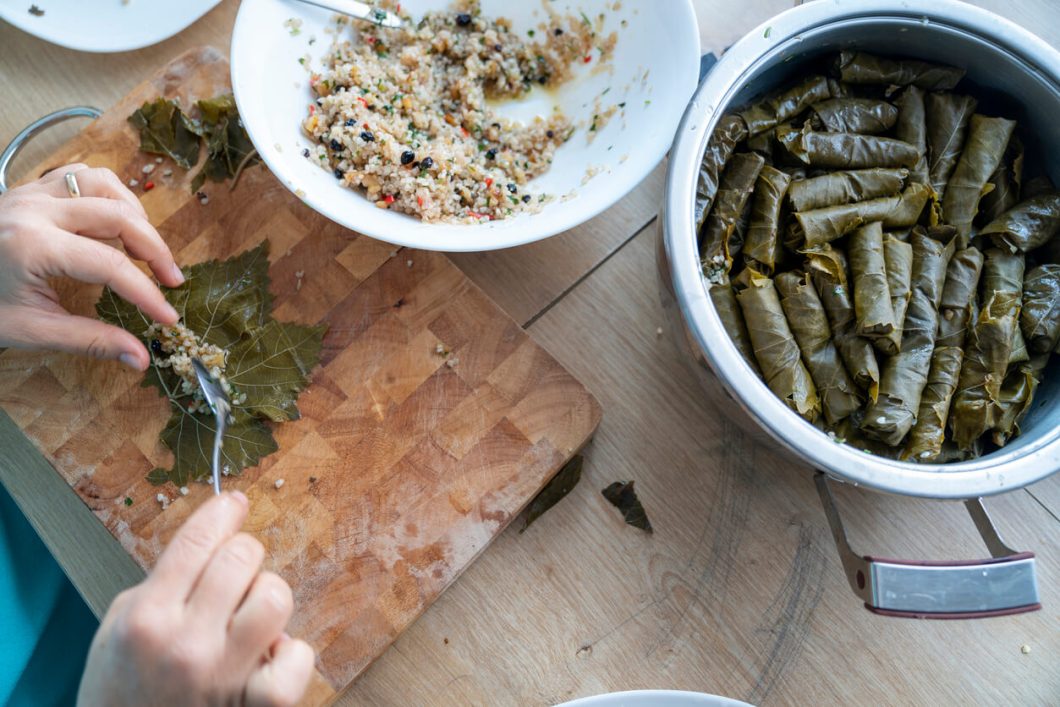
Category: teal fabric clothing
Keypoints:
(45, 626)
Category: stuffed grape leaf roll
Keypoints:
(762, 246)
(898, 257)
(905, 374)
(1017, 394)
(861, 67)
(928, 435)
(853, 115)
(775, 348)
(828, 269)
(806, 316)
(982, 153)
(728, 310)
(729, 132)
(1027, 225)
(1040, 314)
(837, 188)
(911, 128)
(873, 310)
(1004, 184)
(820, 226)
(846, 150)
(770, 112)
(720, 240)
(988, 349)
(947, 117)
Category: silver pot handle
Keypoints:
(1004, 584)
(20, 140)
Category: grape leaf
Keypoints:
(227, 303)
(165, 130)
(622, 496)
(555, 491)
(228, 147)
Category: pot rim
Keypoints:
(1001, 471)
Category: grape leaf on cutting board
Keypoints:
(227, 303)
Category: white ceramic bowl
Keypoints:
(655, 698)
(272, 91)
(107, 26)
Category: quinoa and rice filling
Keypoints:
(403, 114)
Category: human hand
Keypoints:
(205, 628)
(45, 233)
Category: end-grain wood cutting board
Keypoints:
(418, 464)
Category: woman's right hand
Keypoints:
(205, 628)
(47, 233)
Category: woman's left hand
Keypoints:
(45, 232)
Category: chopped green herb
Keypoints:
(768, 31)
(301, 60)
(605, 91)
(585, 19)
(647, 103)
(128, 501)
(622, 104)
(529, 33)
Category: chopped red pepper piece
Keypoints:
(366, 126)
(148, 186)
(363, 101)
(370, 40)
(312, 109)
(389, 198)
(419, 200)
(464, 131)
(489, 182)
(587, 58)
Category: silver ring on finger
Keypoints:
(71, 185)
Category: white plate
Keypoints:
(660, 38)
(655, 698)
(104, 25)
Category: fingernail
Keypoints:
(172, 312)
(241, 497)
(131, 361)
(177, 274)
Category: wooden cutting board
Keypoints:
(418, 464)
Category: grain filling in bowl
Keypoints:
(404, 114)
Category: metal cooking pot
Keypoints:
(999, 57)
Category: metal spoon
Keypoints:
(217, 399)
(360, 11)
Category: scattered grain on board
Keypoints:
(279, 483)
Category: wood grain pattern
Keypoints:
(404, 465)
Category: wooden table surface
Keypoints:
(739, 591)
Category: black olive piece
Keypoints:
(350, 122)
(335, 144)
(512, 188)
(496, 125)
(496, 47)
(367, 136)
(426, 163)
(407, 156)
(542, 80)
(463, 19)
(526, 198)
(338, 173)
(305, 152)
(558, 32)
(491, 153)
(156, 347)
(550, 134)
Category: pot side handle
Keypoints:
(20, 140)
(1004, 584)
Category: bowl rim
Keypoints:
(1001, 471)
(495, 235)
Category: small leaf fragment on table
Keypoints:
(267, 363)
(624, 498)
(555, 490)
(166, 130)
